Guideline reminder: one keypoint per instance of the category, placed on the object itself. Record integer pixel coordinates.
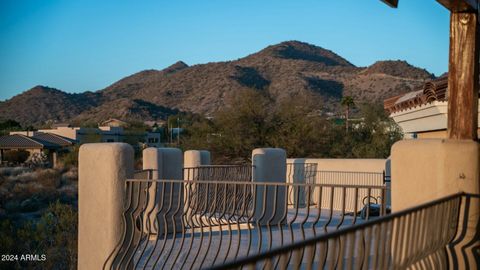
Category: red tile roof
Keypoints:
(431, 91)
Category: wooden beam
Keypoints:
(460, 5)
(463, 76)
(452, 5)
(392, 3)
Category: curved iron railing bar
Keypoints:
(158, 227)
(396, 216)
(119, 245)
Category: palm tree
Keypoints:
(347, 102)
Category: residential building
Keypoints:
(153, 139)
(35, 143)
(84, 135)
(422, 113)
(113, 122)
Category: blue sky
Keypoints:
(85, 45)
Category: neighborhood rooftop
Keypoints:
(18, 141)
(53, 138)
(434, 90)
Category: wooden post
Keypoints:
(463, 76)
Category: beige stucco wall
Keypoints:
(24, 133)
(428, 118)
(428, 169)
(68, 132)
(191, 160)
(437, 134)
(330, 171)
(167, 164)
(81, 134)
(344, 165)
(431, 116)
(269, 166)
(103, 169)
(195, 158)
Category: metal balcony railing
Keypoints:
(175, 224)
(428, 236)
(219, 172)
(309, 173)
(350, 178)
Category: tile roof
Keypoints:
(18, 141)
(53, 138)
(435, 90)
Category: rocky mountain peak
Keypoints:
(175, 67)
(398, 68)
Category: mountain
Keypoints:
(41, 104)
(398, 68)
(284, 71)
(124, 108)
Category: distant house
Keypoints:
(112, 130)
(47, 137)
(55, 139)
(57, 125)
(85, 135)
(64, 131)
(111, 133)
(113, 122)
(422, 113)
(175, 132)
(153, 139)
(35, 143)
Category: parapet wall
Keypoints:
(344, 164)
(349, 172)
(427, 169)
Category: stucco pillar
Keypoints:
(193, 159)
(165, 203)
(297, 174)
(103, 169)
(428, 169)
(269, 166)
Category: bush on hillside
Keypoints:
(296, 126)
(53, 235)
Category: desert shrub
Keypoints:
(16, 156)
(70, 158)
(37, 160)
(13, 171)
(25, 190)
(24, 177)
(33, 190)
(12, 206)
(54, 234)
(9, 125)
(7, 238)
(295, 125)
(49, 178)
(70, 175)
